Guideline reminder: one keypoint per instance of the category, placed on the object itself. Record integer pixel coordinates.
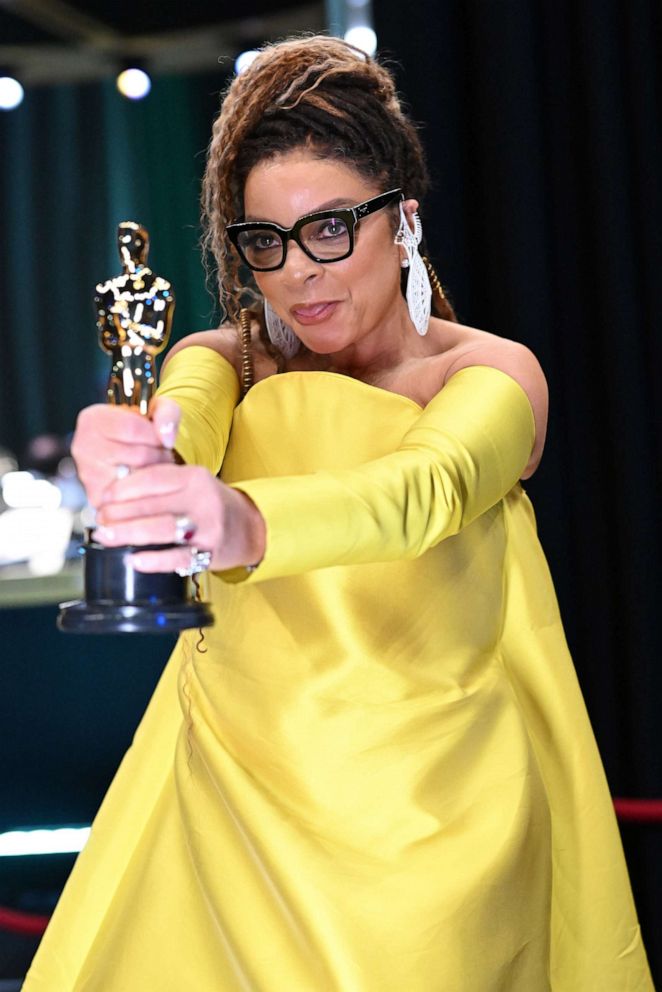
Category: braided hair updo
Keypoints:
(318, 93)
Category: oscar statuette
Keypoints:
(134, 318)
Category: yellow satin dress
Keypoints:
(378, 774)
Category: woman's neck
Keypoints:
(373, 358)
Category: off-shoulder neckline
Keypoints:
(379, 390)
(359, 383)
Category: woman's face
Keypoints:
(338, 305)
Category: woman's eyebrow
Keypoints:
(339, 201)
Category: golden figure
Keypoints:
(134, 317)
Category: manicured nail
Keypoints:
(168, 432)
(104, 533)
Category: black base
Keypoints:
(120, 600)
(80, 617)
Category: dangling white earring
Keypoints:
(419, 290)
(280, 333)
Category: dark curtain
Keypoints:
(542, 123)
(74, 162)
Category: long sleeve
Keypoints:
(206, 388)
(462, 455)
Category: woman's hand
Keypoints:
(127, 465)
(147, 506)
(111, 440)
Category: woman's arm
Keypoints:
(467, 449)
(462, 455)
(203, 383)
(521, 364)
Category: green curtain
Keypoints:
(74, 162)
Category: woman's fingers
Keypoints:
(171, 503)
(163, 504)
(110, 439)
(150, 483)
(111, 514)
(116, 423)
(133, 456)
(99, 473)
(177, 559)
(165, 415)
(163, 528)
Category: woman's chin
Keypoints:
(324, 342)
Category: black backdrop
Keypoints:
(542, 124)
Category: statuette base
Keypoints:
(119, 599)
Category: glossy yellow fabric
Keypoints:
(380, 777)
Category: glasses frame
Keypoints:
(350, 215)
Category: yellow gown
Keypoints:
(378, 774)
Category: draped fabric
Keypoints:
(542, 126)
(378, 773)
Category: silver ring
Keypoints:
(184, 530)
(200, 562)
(121, 471)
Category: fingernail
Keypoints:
(168, 432)
(104, 533)
(136, 561)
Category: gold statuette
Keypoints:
(134, 318)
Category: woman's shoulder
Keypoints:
(468, 346)
(455, 346)
(226, 342)
(223, 340)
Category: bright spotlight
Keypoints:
(134, 84)
(362, 37)
(59, 840)
(11, 93)
(243, 61)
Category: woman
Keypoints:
(377, 773)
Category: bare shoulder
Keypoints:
(475, 347)
(223, 340)
(226, 341)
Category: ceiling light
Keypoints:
(362, 37)
(134, 84)
(11, 93)
(243, 61)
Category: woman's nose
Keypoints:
(299, 266)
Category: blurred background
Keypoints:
(542, 125)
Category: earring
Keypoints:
(280, 333)
(419, 291)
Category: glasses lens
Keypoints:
(326, 239)
(261, 248)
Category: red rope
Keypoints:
(639, 810)
(26, 923)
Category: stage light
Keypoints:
(243, 61)
(134, 83)
(62, 840)
(11, 93)
(363, 37)
(22, 489)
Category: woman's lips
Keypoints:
(313, 313)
